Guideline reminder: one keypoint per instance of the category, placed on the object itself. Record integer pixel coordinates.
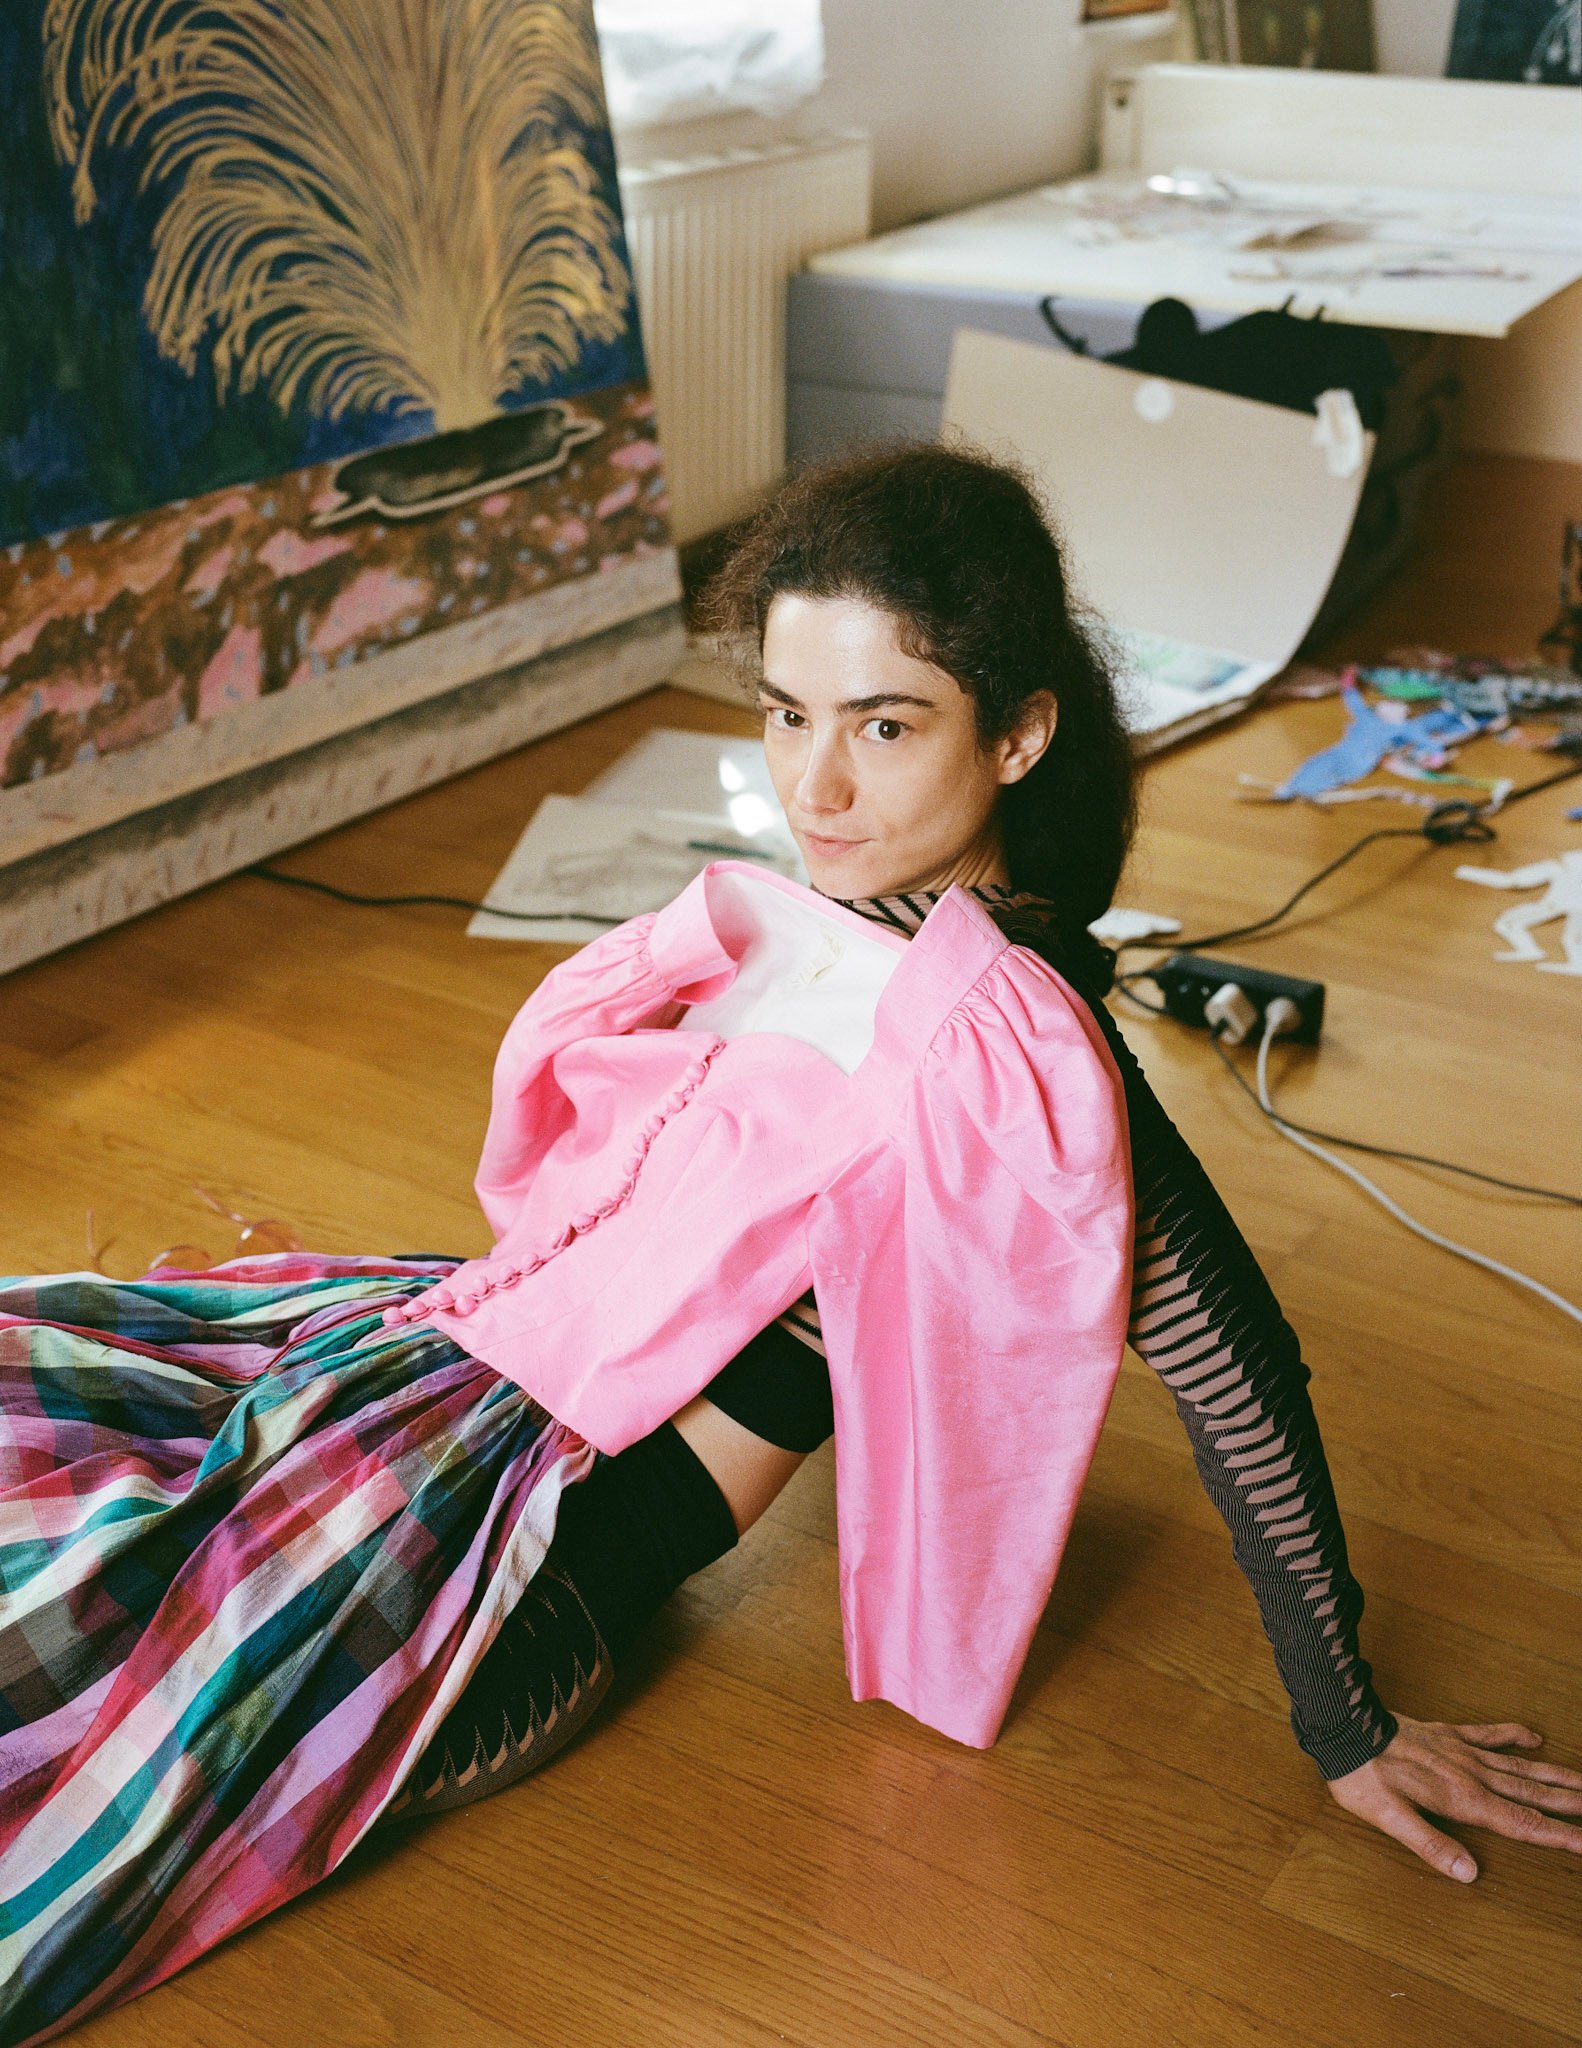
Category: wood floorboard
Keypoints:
(1500, 1952)
(1090, 1887)
(715, 1940)
(1003, 1957)
(740, 1856)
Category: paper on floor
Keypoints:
(705, 774)
(586, 865)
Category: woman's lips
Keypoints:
(831, 849)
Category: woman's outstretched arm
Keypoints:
(1207, 1321)
(1205, 1318)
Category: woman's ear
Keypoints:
(1028, 740)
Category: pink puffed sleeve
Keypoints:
(615, 984)
(973, 1278)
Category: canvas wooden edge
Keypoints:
(66, 893)
(55, 808)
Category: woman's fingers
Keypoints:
(1547, 1798)
(1539, 1773)
(1500, 1735)
(1521, 1823)
(1465, 1773)
(1440, 1851)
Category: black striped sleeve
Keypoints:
(1205, 1318)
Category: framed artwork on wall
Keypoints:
(1317, 35)
(1535, 42)
(325, 399)
(1107, 10)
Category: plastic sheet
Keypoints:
(699, 57)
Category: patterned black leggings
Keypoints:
(540, 1683)
(626, 1537)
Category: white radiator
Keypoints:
(713, 240)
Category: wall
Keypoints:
(1523, 395)
(1413, 36)
(970, 101)
(964, 102)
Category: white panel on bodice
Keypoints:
(799, 972)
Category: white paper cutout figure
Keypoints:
(1561, 880)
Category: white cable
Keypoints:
(1447, 1244)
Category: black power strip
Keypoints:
(1187, 980)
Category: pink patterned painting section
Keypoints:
(115, 634)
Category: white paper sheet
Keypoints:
(1207, 527)
(1169, 687)
(705, 774)
(597, 864)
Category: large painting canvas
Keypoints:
(319, 364)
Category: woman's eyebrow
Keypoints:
(768, 689)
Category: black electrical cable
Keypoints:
(1452, 832)
(267, 874)
(1131, 995)
(1453, 823)
(1447, 824)
(1154, 1010)
(1515, 1187)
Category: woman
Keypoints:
(256, 1562)
(937, 713)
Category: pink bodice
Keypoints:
(960, 1201)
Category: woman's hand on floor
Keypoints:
(1464, 1772)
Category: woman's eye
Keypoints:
(887, 728)
(782, 711)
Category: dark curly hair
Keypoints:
(955, 547)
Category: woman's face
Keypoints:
(875, 757)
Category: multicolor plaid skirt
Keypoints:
(252, 1546)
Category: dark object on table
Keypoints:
(1272, 356)
(1538, 42)
(1566, 632)
(1312, 35)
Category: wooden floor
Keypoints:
(740, 1855)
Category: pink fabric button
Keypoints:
(464, 1304)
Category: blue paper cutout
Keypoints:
(1368, 738)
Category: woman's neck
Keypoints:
(977, 865)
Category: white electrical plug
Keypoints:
(1230, 1013)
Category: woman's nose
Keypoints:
(824, 784)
